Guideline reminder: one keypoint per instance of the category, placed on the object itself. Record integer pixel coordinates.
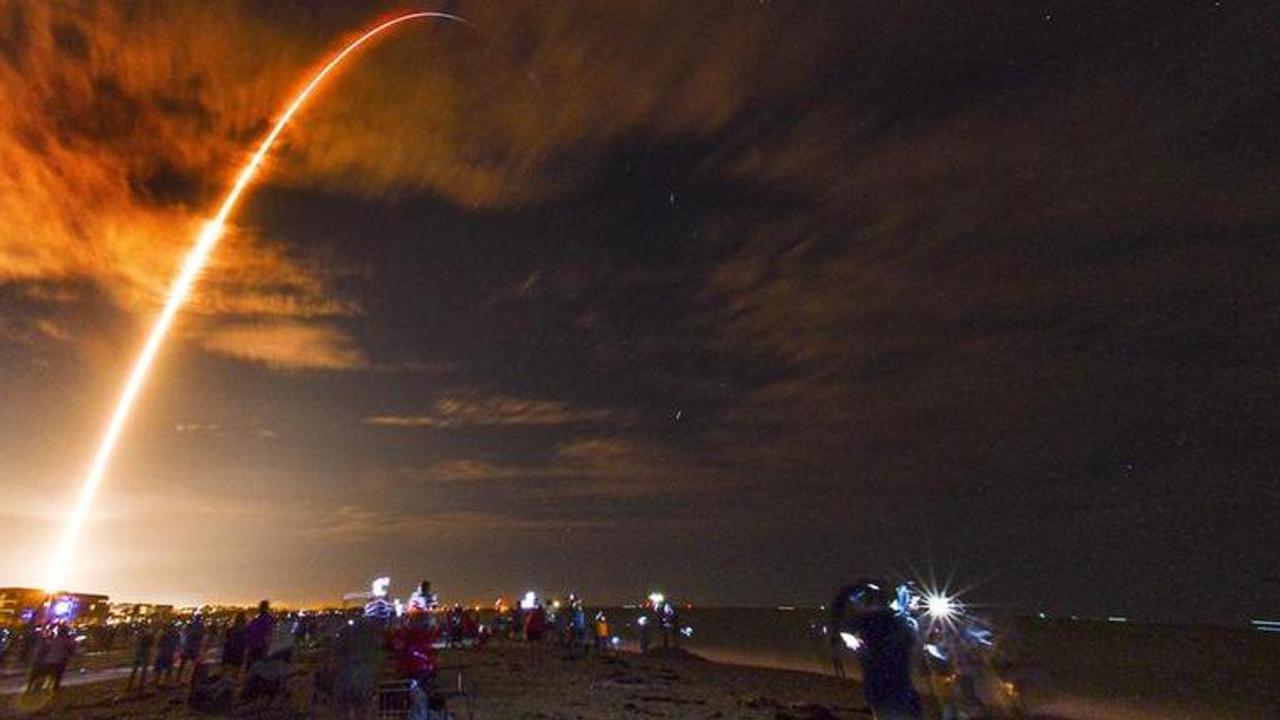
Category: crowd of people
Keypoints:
(229, 659)
(51, 648)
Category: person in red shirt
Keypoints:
(414, 650)
(535, 623)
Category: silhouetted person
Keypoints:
(645, 622)
(54, 651)
(886, 643)
(234, 645)
(577, 627)
(61, 647)
(142, 643)
(602, 633)
(166, 649)
(535, 623)
(258, 634)
(39, 651)
(669, 619)
(357, 652)
(192, 644)
(518, 618)
(413, 649)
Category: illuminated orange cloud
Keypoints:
(287, 345)
(111, 148)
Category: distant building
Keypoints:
(140, 612)
(90, 608)
(20, 605)
(17, 605)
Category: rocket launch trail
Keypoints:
(180, 290)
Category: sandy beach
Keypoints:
(518, 680)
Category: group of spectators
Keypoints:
(53, 645)
(572, 625)
(168, 648)
(249, 656)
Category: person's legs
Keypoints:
(33, 678)
(139, 671)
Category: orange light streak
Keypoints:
(192, 265)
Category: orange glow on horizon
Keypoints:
(180, 290)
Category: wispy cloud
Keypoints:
(601, 467)
(30, 331)
(195, 428)
(207, 429)
(633, 466)
(288, 345)
(358, 523)
(471, 471)
(497, 410)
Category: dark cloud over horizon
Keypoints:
(791, 292)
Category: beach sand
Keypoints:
(522, 681)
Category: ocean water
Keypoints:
(1069, 669)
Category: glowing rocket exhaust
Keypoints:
(195, 261)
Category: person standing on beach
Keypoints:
(56, 648)
(645, 622)
(861, 618)
(602, 633)
(166, 648)
(357, 654)
(535, 623)
(36, 673)
(61, 647)
(142, 642)
(192, 645)
(669, 618)
(233, 647)
(413, 648)
(258, 634)
(577, 627)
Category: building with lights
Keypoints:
(19, 605)
(139, 612)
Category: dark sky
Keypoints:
(739, 300)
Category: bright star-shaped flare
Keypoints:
(941, 607)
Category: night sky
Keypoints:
(737, 300)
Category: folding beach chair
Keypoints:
(394, 700)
